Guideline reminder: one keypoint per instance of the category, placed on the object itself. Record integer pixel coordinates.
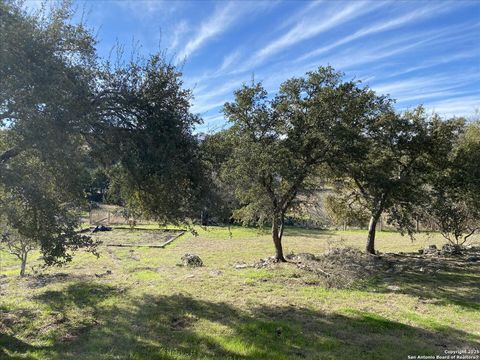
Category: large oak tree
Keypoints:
(279, 144)
(384, 160)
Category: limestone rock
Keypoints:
(191, 260)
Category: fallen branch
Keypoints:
(315, 270)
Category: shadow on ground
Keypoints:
(442, 281)
(180, 327)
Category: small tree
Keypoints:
(454, 185)
(33, 221)
(36, 212)
(279, 145)
(17, 245)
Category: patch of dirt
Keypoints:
(182, 322)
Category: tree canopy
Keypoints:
(386, 158)
(280, 143)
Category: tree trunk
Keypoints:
(24, 265)
(204, 218)
(277, 232)
(371, 233)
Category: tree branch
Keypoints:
(10, 153)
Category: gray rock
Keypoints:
(450, 249)
(191, 260)
(393, 288)
(240, 265)
(430, 249)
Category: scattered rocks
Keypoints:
(108, 272)
(394, 288)
(191, 260)
(450, 249)
(430, 249)
(263, 263)
(240, 265)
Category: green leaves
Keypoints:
(454, 181)
(144, 130)
(279, 143)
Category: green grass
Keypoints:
(150, 308)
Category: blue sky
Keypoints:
(419, 52)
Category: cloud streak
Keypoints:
(311, 27)
(379, 27)
(223, 18)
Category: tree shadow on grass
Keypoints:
(439, 281)
(183, 327)
(82, 294)
(13, 348)
(73, 313)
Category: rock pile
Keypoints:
(191, 260)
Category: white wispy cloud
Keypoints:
(361, 54)
(179, 32)
(313, 26)
(223, 18)
(229, 59)
(459, 106)
(211, 96)
(423, 88)
(382, 26)
(440, 60)
(149, 9)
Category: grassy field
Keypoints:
(136, 303)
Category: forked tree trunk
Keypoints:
(277, 233)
